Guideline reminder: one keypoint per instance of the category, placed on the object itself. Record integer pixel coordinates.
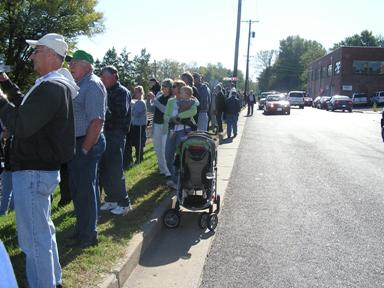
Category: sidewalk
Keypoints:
(154, 228)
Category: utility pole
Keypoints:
(247, 67)
(237, 40)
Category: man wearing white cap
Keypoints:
(42, 127)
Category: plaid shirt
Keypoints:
(118, 116)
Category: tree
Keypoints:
(264, 63)
(31, 19)
(168, 68)
(142, 68)
(126, 69)
(289, 72)
(366, 39)
(314, 50)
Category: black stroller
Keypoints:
(197, 181)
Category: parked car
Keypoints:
(308, 101)
(378, 98)
(296, 98)
(323, 102)
(340, 102)
(360, 99)
(261, 103)
(315, 102)
(277, 103)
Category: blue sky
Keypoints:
(203, 31)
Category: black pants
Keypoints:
(250, 108)
(65, 193)
(136, 138)
(219, 119)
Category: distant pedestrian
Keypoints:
(251, 100)
(117, 122)
(219, 106)
(139, 123)
(43, 137)
(232, 109)
(89, 110)
(205, 102)
(158, 137)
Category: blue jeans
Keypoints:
(231, 125)
(7, 277)
(202, 122)
(35, 230)
(6, 192)
(111, 169)
(173, 141)
(83, 185)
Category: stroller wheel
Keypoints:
(212, 221)
(203, 220)
(171, 218)
(217, 202)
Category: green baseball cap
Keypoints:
(80, 55)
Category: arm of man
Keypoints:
(41, 106)
(93, 133)
(95, 109)
(158, 104)
(12, 91)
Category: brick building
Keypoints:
(347, 70)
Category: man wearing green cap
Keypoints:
(89, 111)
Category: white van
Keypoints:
(296, 98)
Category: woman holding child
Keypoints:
(178, 122)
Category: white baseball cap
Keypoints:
(53, 41)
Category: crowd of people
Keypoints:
(79, 129)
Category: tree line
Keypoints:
(31, 19)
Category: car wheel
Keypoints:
(350, 110)
(288, 112)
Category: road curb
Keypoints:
(136, 247)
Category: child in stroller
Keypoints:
(197, 176)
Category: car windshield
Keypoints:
(360, 96)
(296, 95)
(342, 98)
(275, 98)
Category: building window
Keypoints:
(337, 68)
(329, 73)
(368, 67)
(324, 72)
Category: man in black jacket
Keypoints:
(117, 122)
(42, 129)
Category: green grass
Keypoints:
(85, 268)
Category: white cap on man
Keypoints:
(53, 41)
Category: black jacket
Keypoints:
(118, 117)
(42, 129)
(232, 106)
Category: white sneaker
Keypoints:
(122, 210)
(108, 206)
(171, 184)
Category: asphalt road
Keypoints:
(304, 205)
